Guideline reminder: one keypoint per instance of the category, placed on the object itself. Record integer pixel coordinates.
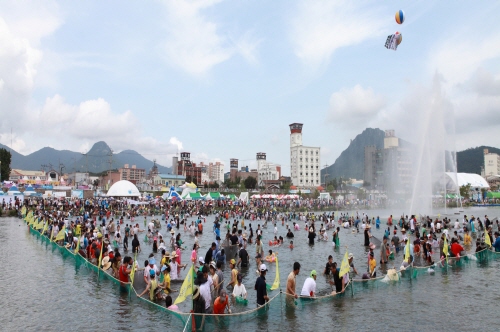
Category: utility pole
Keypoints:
(110, 154)
(326, 175)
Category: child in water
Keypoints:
(271, 257)
(291, 245)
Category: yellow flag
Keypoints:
(77, 245)
(45, 227)
(187, 286)
(344, 267)
(407, 251)
(23, 210)
(487, 239)
(61, 234)
(132, 273)
(35, 224)
(276, 283)
(445, 248)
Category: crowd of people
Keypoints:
(100, 231)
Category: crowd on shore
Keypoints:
(101, 229)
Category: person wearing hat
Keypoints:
(234, 273)
(260, 286)
(221, 303)
(212, 270)
(165, 259)
(165, 270)
(106, 264)
(151, 266)
(350, 258)
(243, 257)
(368, 235)
(239, 289)
(152, 287)
(198, 301)
(309, 288)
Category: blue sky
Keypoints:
(223, 79)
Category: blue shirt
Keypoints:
(496, 244)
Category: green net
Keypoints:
(280, 304)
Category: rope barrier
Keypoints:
(187, 317)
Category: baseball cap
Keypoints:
(233, 261)
(201, 260)
(163, 268)
(152, 272)
(263, 267)
(152, 261)
(350, 256)
(313, 273)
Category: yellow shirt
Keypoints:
(467, 239)
(234, 273)
(373, 265)
(166, 282)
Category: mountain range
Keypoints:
(350, 163)
(98, 159)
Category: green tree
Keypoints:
(316, 193)
(329, 188)
(464, 190)
(250, 182)
(5, 160)
(286, 186)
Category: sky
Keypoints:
(224, 79)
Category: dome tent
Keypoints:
(123, 188)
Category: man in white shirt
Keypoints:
(309, 288)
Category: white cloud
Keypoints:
(458, 57)
(194, 43)
(322, 27)
(355, 107)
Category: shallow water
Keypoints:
(42, 290)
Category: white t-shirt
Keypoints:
(205, 292)
(173, 270)
(309, 286)
(239, 290)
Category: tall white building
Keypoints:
(491, 163)
(216, 172)
(267, 171)
(304, 160)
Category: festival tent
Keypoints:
(244, 197)
(29, 191)
(123, 188)
(13, 191)
(493, 194)
(193, 196)
(257, 196)
(215, 196)
(231, 197)
(324, 196)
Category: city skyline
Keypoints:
(224, 79)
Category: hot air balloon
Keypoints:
(400, 17)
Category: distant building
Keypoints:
(30, 177)
(243, 173)
(214, 172)
(390, 168)
(78, 179)
(190, 170)
(304, 160)
(168, 180)
(269, 173)
(132, 174)
(491, 163)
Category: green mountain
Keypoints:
(350, 163)
(98, 159)
(471, 160)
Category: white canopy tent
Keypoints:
(123, 188)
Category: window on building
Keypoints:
(300, 151)
(301, 181)
(300, 159)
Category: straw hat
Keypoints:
(173, 255)
(106, 264)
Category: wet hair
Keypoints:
(296, 266)
(168, 301)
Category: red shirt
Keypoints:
(122, 275)
(219, 306)
(456, 249)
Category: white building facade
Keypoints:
(266, 170)
(491, 163)
(305, 161)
